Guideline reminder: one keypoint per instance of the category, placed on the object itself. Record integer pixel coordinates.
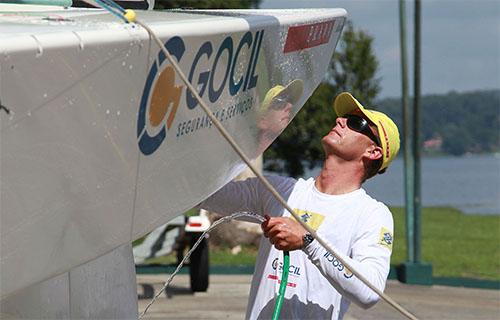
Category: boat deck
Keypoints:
(17, 20)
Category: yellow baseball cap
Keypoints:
(388, 132)
(291, 93)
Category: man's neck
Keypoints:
(338, 178)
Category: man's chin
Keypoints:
(330, 140)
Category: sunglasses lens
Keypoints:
(278, 103)
(356, 123)
(360, 125)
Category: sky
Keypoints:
(460, 41)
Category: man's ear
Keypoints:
(374, 152)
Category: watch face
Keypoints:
(308, 238)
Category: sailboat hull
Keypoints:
(102, 142)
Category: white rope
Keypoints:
(266, 183)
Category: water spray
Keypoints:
(257, 218)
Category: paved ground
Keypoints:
(227, 296)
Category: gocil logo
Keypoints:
(160, 100)
(162, 97)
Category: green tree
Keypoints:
(352, 68)
(467, 122)
(207, 4)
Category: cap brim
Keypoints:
(293, 91)
(345, 103)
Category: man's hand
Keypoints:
(284, 233)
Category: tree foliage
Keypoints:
(207, 4)
(353, 68)
(466, 122)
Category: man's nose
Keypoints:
(341, 121)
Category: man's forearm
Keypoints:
(374, 269)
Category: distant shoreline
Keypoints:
(469, 183)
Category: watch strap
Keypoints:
(307, 239)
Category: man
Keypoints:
(275, 112)
(360, 145)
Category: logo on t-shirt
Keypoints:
(312, 219)
(293, 272)
(292, 269)
(385, 238)
(338, 265)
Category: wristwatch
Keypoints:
(307, 239)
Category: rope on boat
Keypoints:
(264, 180)
(126, 15)
(261, 177)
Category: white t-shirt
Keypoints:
(319, 287)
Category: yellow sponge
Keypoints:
(129, 15)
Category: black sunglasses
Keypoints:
(278, 103)
(361, 125)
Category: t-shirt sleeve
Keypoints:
(370, 256)
(248, 195)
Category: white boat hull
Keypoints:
(89, 162)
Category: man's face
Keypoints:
(277, 117)
(346, 142)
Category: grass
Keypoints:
(223, 256)
(220, 256)
(457, 245)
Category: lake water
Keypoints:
(470, 183)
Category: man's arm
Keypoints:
(248, 195)
(370, 254)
